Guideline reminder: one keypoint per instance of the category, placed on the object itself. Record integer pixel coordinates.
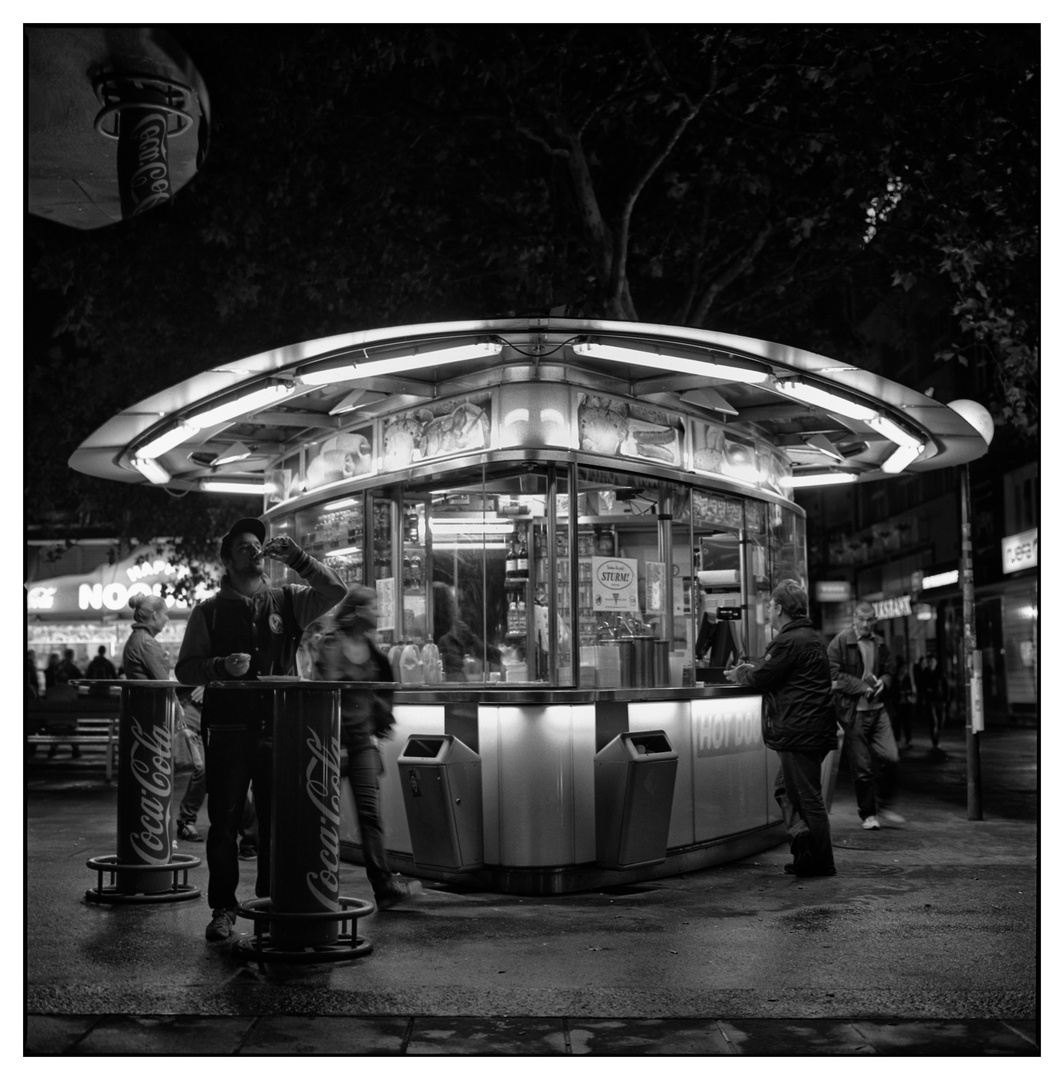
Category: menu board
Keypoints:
(716, 511)
(436, 430)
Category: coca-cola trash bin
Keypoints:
(635, 775)
(305, 918)
(441, 781)
(145, 867)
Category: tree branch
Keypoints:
(737, 267)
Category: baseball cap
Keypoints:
(244, 525)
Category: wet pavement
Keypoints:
(926, 943)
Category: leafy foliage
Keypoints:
(699, 175)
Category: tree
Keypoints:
(777, 181)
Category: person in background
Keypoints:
(455, 638)
(901, 703)
(798, 722)
(861, 673)
(348, 653)
(932, 694)
(33, 681)
(196, 789)
(247, 629)
(100, 667)
(50, 670)
(57, 684)
(143, 657)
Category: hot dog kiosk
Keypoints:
(573, 527)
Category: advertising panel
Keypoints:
(436, 431)
(340, 457)
(616, 428)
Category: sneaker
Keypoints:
(395, 892)
(248, 851)
(891, 818)
(870, 822)
(221, 925)
(188, 831)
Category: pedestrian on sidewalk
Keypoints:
(247, 629)
(196, 788)
(861, 673)
(933, 692)
(798, 722)
(348, 653)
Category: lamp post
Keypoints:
(980, 419)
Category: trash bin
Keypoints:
(440, 777)
(635, 775)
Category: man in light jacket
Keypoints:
(861, 673)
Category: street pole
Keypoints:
(973, 669)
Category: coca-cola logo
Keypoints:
(322, 787)
(150, 183)
(150, 766)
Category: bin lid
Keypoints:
(637, 746)
(436, 749)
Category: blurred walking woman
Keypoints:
(143, 657)
(348, 653)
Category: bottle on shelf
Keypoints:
(511, 557)
(522, 558)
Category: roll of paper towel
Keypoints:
(711, 579)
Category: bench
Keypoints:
(89, 721)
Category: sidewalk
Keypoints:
(925, 943)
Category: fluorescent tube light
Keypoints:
(249, 402)
(470, 545)
(459, 526)
(895, 432)
(340, 504)
(393, 365)
(343, 551)
(684, 365)
(170, 438)
(902, 458)
(151, 470)
(233, 487)
(825, 399)
(817, 479)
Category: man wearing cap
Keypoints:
(861, 674)
(247, 629)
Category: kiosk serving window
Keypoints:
(559, 574)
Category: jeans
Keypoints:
(363, 769)
(196, 790)
(235, 759)
(873, 757)
(799, 796)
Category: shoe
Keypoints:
(188, 831)
(221, 925)
(870, 822)
(809, 870)
(891, 818)
(395, 892)
(247, 852)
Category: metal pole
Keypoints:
(973, 675)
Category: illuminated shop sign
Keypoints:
(936, 581)
(833, 592)
(895, 607)
(1019, 552)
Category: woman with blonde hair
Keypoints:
(143, 657)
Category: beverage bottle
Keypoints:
(522, 559)
(511, 558)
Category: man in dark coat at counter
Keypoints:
(247, 629)
(798, 722)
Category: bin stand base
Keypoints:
(347, 946)
(109, 894)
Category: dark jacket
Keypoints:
(847, 671)
(365, 712)
(267, 626)
(795, 679)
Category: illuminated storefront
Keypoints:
(572, 527)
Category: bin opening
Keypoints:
(652, 742)
(423, 747)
